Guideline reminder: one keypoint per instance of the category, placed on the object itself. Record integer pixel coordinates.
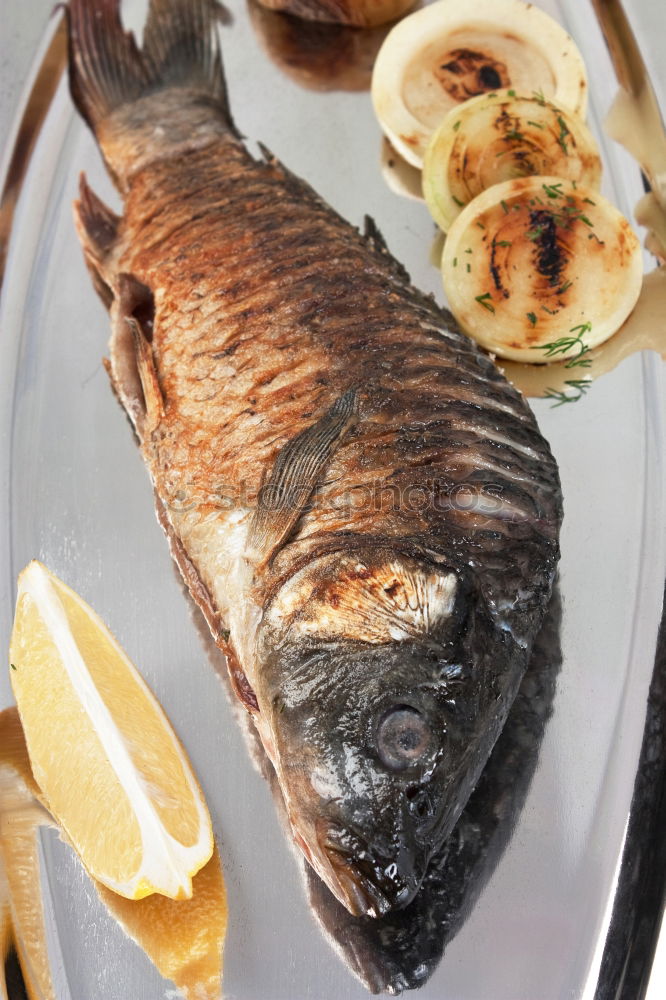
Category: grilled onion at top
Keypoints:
(498, 137)
(440, 56)
(537, 262)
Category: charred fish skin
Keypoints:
(360, 503)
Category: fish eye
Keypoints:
(403, 737)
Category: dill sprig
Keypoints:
(569, 343)
(579, 385)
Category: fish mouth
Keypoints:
(356, 892)
(362, 884)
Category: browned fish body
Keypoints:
(358, 500)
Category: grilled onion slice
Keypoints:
(498, 137)
(452, 50)
(540, 269)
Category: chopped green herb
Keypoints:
(515, 135)
(589, 201)
(532, 318)
(224, 634)
(584, 218)
(593, 236)
(536, 124)
(456, 125)
(504, 206)
(501, 243)
(511, 93)
(468, 250)
(469, 268)
(534, 234)
(564, 132)
(553, 190)
(12, 666)
(563, 288)
(538, 97)
(455, 261)
(483, 301)
(480, 224)
(552, 312)
(459, 203)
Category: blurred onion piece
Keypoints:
(315, 55)
(358, 13)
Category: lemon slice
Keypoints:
(110, 767)
(183, 938)
(498, 137)
(20, 815)
(449, 51)
(538, 262)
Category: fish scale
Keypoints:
(360, 503)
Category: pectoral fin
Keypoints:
(297, 470)
(132, 365)
(152, 394)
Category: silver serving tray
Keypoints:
(75, 494)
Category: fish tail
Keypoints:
(108, 72)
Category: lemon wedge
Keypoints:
(102, 751)
(498, 137)
(541, 269)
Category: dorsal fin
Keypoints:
(97, 227)
(99, 223)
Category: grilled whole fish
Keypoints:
(360, 503)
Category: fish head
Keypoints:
(377, 745)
